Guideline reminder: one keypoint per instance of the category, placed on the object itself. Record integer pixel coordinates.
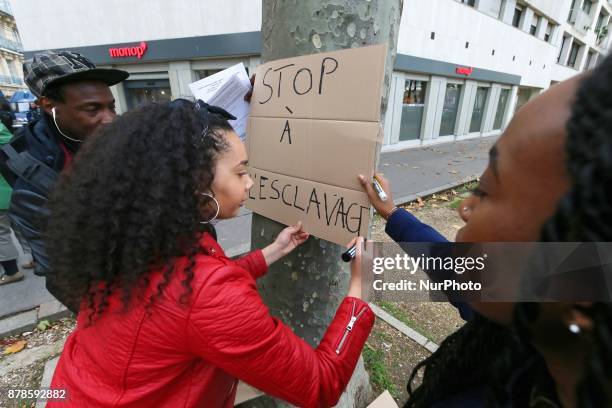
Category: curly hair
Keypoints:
(482, 352)
(130, 203)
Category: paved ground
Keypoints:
(412, 173)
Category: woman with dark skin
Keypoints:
(548, 179)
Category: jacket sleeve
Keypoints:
(405, 227)
(402, 226)
(230, 327)
(254, 262)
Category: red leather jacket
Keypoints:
(192, 355)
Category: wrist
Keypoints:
(354, 289)
(389, 213)
(272, 253)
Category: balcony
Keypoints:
(10, 80)
(11, 45)
(581, 21)
(5, 7)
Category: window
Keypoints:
(561, 48)
(516, 19)
(413, 107)
(569, 17)
(468, 2)
(450, 109)
(492, 8)
(589, 60)
(534, 24)
(12, 67)
(599, 21)
(479, 107)
(573, 55)
(502, 105)
(203, 73)
(140, 92)
(587, 6)
(548, 32)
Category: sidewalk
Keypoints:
(412, 173)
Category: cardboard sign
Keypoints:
(314, 126)
(385, 400)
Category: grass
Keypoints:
(399, 314)
(374, 360)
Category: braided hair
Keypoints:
(482, 352)
(584, 214)
(129, 204)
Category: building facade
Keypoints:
(463, 67)
(11, 58)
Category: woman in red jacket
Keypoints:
(166, 319)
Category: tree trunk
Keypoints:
(305, 288)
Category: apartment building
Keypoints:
(463, 67)
(11, 58)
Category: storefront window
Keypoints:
(479, 106)
(502, 105)
(203, 73)
(449, 111)
(413, 107)
(140, 92)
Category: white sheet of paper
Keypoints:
(230, 96)
(227, 89)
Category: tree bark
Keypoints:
(305, 288)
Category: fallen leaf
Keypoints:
(457, 227)
(453, 172)
(43, 325)
(15, 347)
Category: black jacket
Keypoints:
(27, 209)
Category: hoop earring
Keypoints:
(216, 213)
(574, 328)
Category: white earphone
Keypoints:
(60, 130)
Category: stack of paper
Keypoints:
(226, 89)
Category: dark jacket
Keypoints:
(27, 210)
(405, 227)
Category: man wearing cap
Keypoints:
(75, 100)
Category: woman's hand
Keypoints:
(384, 208)
(356, 264)
(288, 239)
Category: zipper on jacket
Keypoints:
(349, 327)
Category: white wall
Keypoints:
(455, 24)
(73, 23)
(554, 9)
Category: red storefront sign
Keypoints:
(467, 71)
(124, 52)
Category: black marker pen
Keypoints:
(349, 254)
